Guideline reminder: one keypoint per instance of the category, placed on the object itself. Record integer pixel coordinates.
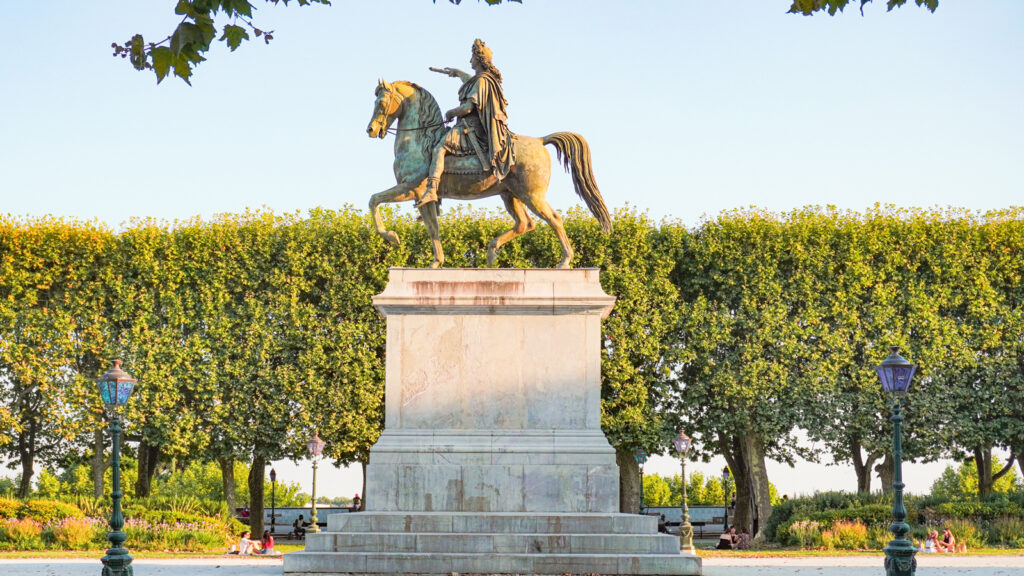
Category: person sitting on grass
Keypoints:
(743, 540)
(247, 546)
(727, 541)
(948, 542)
(267, 543)
(931, 544)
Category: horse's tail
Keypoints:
(574, 154)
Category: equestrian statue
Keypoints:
(477, 157)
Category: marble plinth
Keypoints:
(492, 458)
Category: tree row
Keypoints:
(248, 332)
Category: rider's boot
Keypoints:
(431, 194)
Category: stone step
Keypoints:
(493, 543)
(493, 522)
(337, 563)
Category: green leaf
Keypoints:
(242, 7)
(161, 62)
(183, 69)
(184, 36)
(206, 28)
(234, 35)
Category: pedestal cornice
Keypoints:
(488, 291)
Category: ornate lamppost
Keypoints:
(895, 373)
(725, 490)
(683, 443)
(315, 448)
(115, 387)
(641, 458)
(273, 501)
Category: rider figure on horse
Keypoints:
(482, 126)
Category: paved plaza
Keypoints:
(832, 566)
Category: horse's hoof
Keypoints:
(393, 238)
(435, 264)
(564, 265)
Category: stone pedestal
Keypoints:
(492, 458)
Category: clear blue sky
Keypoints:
(690, 107)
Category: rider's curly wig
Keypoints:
(482, 53)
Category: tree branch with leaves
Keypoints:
(184, 49)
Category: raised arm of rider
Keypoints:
(455, 72)
(460, 111)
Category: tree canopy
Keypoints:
(204, 22)
(249, 332)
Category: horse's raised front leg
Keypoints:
(399, 193)
(521, 225)
(429, 215)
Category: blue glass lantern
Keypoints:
(115, 387)
(640, 456)
(895, 372)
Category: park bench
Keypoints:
(707, 521)
(281, 526)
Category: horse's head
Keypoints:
(385, 109)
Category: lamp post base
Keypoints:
(686, 538)
(900, 558)
(117, 562)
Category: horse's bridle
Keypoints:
(386, 105)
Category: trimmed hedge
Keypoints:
(49, 511)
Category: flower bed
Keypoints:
(52, 525)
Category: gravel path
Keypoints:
(928, 565)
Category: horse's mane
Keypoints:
(429, 114)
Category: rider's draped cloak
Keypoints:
(488, 98)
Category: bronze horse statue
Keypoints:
(420, 127)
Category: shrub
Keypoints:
(878, 536)
(92, 507)
(9, 508)
(1008, 531)
(976, 510)
(805, 534)
(21, 534)
(869, 514)
(49, 511)
(965, 532)
(76, 533)
(845, 535)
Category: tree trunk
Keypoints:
(227, 478)
(149, 458)
(861, 466)
(745, 455)
(362, 494)
(983, 461)
(27, 458)
(629, 481)
(256, 496)
(886, 470)
(757, 479)
(986, 476)
(97, 463)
